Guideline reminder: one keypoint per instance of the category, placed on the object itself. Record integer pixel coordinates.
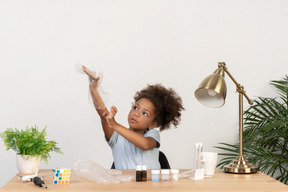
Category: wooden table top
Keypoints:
(223, 182)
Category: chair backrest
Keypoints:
(164, 164)
(113, 165)
(163, 161)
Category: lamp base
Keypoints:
(240, 165)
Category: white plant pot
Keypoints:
(27, 165)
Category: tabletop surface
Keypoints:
(219, 182)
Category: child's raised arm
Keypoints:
(97, 100)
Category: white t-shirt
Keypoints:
(127, 156)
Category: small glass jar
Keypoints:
(174, 174)
(155, 175)
(144, 173)
(165, 174)
(139, 173)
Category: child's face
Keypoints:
(142, 115)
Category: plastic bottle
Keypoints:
(165, 173)
(174, 174)
(155, 175)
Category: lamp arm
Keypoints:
(240, 88)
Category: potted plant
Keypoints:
(30, 145)
(265, 134)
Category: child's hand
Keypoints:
(110, 116)
(93, 78)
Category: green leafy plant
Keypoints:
(30, 142)
(265, 134)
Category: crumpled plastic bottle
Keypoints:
(93, 171)
(105, 96)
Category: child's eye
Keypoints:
(135, 108)
(145, 114)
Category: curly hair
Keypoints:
(167, 103)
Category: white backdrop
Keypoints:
(174, 42)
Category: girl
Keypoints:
(155, 106)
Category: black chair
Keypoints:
(164, 164)
(163, 161)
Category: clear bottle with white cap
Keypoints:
(155, 174)
(165, 174)
(174, 174)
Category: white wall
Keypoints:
(173, 42)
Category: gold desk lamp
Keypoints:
(212, 92)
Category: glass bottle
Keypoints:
(139, 173)
(144, 173)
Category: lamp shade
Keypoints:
(212, 90)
